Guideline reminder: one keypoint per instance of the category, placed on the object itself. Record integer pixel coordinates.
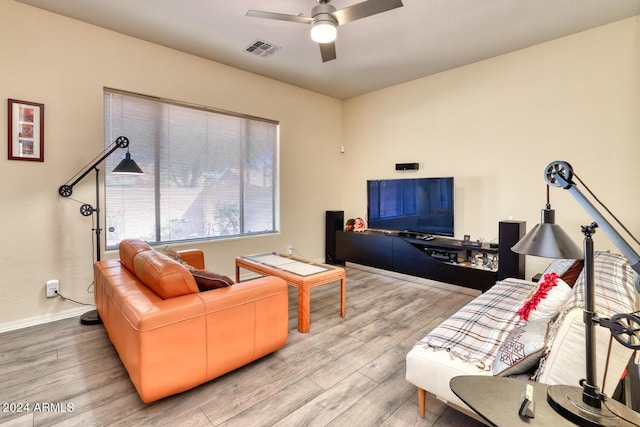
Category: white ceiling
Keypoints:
(421, 38)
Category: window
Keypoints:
(208, 174)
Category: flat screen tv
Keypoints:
(416, 205)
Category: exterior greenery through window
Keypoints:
(208, 174)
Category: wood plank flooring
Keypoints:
(344, 372)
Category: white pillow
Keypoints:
(522, 348)
(547, 299)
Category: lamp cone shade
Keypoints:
(548, 240)
(128, 166)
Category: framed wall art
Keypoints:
(26, 131)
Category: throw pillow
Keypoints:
(570, 276)
(567, 269)
(207, 280)
(522, 349)
(175, 255)
(547, 299)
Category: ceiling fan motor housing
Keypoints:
(323, 12)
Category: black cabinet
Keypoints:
(349, 247)
(441, 259)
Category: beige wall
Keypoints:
(494, 125)
(65, 64)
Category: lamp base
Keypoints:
(91, 318)
(567, 401)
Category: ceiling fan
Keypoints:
(325, 19)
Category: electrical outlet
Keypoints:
(290, 249)
(52, 287)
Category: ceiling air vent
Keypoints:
(262, 49)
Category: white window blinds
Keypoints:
(208, 174)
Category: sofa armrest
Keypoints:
(193, 257)
(245, 322)
(145, 313)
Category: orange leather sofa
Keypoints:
(171, 337)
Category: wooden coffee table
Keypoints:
(302, 274)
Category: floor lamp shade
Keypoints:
(128, 166)
(548, 240)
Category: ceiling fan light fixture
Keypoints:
(325, 19)
(324, 30)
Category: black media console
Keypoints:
(442, 259)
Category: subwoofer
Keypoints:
(334, 222)
(510, 264)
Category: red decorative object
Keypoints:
(350, 224)
(358, 225)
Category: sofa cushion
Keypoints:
(547, 299)
(128, 249)
(164, 276)
(432, 371)
(207, 280)
(522, 349)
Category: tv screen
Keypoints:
(419, 205)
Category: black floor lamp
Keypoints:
(126, 166)
(584, 405)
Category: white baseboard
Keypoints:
(45, 318)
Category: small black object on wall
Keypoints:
(407, 166)
(334, 222)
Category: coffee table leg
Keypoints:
(303, 307)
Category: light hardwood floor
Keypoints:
(344, 372)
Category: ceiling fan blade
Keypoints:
(328, 51)
(279, 16)
(364, 9)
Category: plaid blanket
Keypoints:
(474, 333)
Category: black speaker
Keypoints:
(407, 166)
(334, 222)
(510, 264)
